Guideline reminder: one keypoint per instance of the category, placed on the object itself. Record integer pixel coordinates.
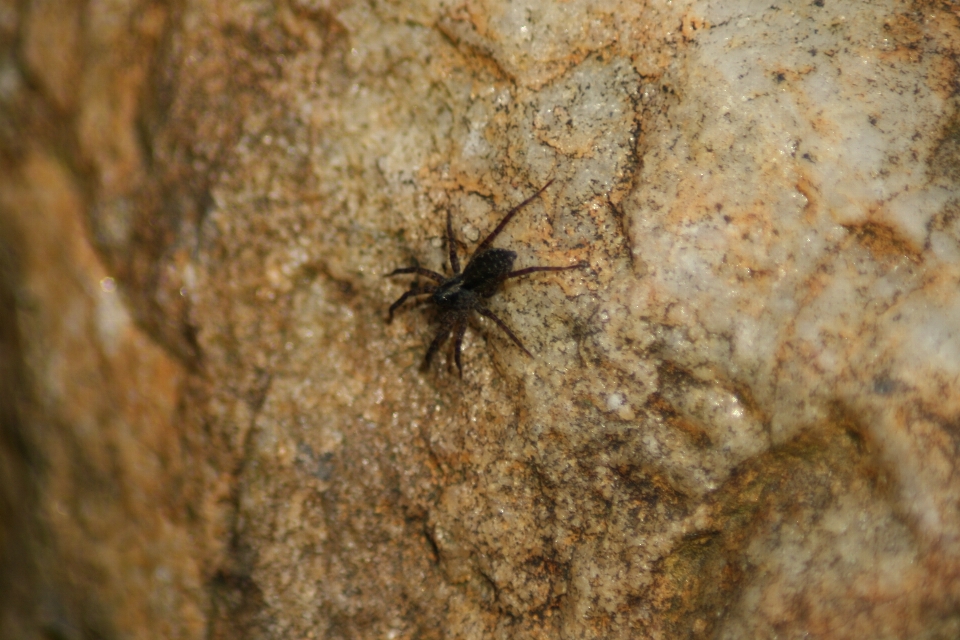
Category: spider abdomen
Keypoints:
(485, 271)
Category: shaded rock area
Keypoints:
(741, 417)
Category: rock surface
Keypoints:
(741, 418)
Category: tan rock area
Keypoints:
(740, 416)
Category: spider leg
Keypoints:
(414, 291)
(440, 338)
(452, 244)
(461, 328)
(493, 234)
(433, 275)
(489, 314)
(523, 272)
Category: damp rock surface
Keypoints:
(740, 416)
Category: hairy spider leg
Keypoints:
(440, 338)
(461, 329)
(493, 234)
(452, 244)
(490, 314)
(433, 275)
(523, 272)
(413, 291)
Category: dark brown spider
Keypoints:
(462, 293)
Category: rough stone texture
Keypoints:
(741, 420)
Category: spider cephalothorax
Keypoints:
(458, 295)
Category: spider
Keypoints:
(464, 292)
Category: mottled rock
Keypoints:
(740, 419)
